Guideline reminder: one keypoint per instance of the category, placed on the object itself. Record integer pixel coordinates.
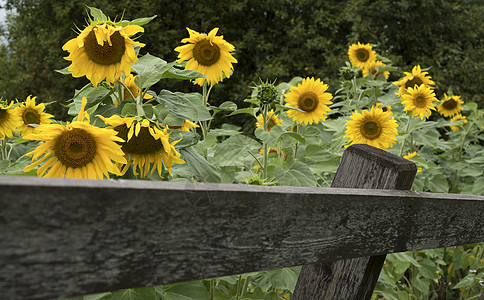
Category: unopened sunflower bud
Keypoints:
(267, 93)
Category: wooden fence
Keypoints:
(62, 238)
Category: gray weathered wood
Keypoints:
(62, 238)
(361, 166)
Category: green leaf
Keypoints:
(97, 14)
(148, 293)
(150, 70)
(284, 279)
(176, 73)
(228, 106)
(272, 137)
(234, 151)
(466, 281)
(172, 120)
(64, 71)
(200, 166)
(93, 95)
(101, 296)
(139, 22)
(421, 284)
(295, 136)
(187, 106)
(128, 109)
(193, 290)
(249, 110)
(428, 269)
(296, 174)
(188, 138)
(405, 257)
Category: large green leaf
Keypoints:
(234, 151)
(296, 174)
(193, 290)
(139, 22)
(148, 293)
(182, 74)
(284, 279)
(94, 96)
(188, 138)
(189, 106)
(150, 70)
(97, 14)
(200, 166)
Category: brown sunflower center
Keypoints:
(105, 54)
(206, 53)
(31, 116)
(363, 55)
(450, 104)
(420, 101)
(3, 115)
(142, 144)
(75, 148)
(308, 102)
(370, 129)
(414, 82)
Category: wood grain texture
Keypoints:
(61, 238)
(361, 166)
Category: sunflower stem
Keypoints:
(406, 131)
(459, 154)
(264, 144)
(297, 143)
(3, 151)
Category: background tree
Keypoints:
(273, 39)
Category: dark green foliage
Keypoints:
(273, 40)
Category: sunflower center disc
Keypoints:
(450, 104)
(142, 144)
(31, 116)
(105, 54)
(271, 123)
(308, 102)
(3, 114)
(75, 148)
(362, 55)
(420, 101)
(206, 53)
(370, 129)
(414, 82)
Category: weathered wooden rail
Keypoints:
(63, 238)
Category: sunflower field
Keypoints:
(122, 127)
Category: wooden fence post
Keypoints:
(365, 167)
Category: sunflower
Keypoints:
(450, 106)
(144, 144)
(32, 114)
(458, 117)
(9, 121)
(361, 55)
(384, 108)
(412, 80)
(371, 67)
(419, 101)
(311, 98)
(102, 51)
(133, 88)
(272, 121)
(207, 54)
(375, 128)
(411, 155)
(76, 150)
(185, 127)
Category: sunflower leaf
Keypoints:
(234, 151)
(182, 74)
(139, 22)
(185, 105)
(200, 166)
(295, 174)
(97, 14)
(150, 70)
